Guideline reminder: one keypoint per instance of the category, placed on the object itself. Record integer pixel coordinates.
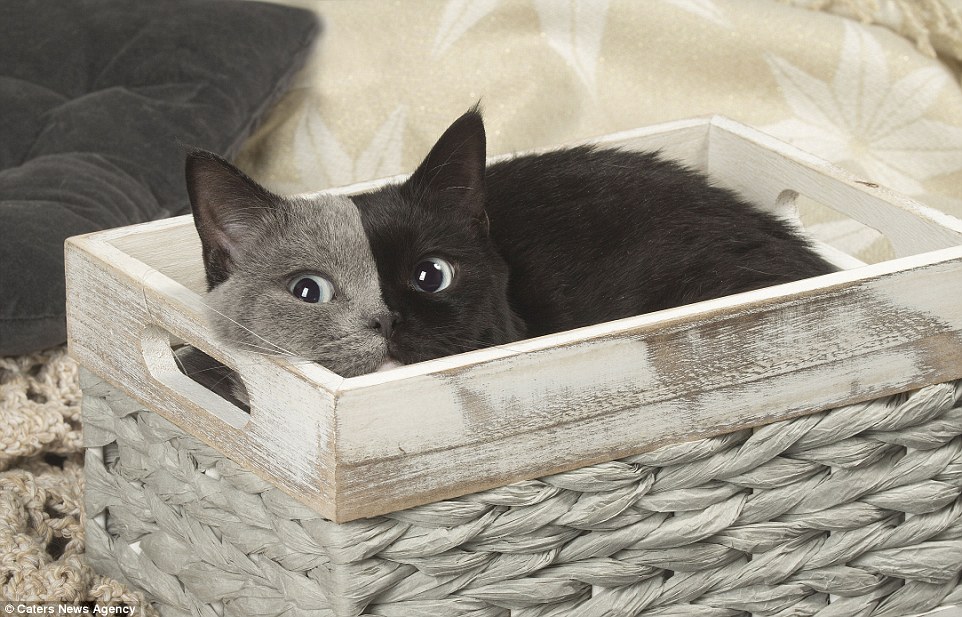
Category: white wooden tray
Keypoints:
(378, 443)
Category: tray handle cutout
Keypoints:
(158, 354)
(840, 238)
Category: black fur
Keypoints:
(549, 242)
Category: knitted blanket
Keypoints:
(41, 487)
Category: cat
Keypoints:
(471, 255)
(462, 255)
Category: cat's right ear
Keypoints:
(454, 168)
(228, 209)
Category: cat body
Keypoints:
(596, 240)
(547, 242)
(462, 256)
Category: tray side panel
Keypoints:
(522, 416)
(761, 169)
(173, 250)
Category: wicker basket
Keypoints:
(534, 479)
(859, 504)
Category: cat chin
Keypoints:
(387, 364)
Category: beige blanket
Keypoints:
(387, 78)
(878, 94)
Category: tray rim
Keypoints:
(340, 468)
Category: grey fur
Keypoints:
(256, 243)
(322, 235)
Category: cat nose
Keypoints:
(384, 323)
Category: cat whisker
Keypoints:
(760, 271)
(242, 326)
(180, 365)
(267, 351)
(220, 381)
(272, 354)
(211, 385)
(203, 370)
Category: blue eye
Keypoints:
(312, 288)
(433, 274)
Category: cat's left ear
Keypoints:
(454, 169)
(228, 210)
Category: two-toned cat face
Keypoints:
(288, 276)
(405, 274)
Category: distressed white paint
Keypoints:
(120, 311)
(381, 442)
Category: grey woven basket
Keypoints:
(850, 512)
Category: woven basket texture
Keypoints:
(850, 512)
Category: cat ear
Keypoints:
(228, 208)
(455, 166)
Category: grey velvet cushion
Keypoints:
(98, 99)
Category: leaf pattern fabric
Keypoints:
(860, 84)
(863, 116)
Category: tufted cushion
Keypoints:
(97, 100)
